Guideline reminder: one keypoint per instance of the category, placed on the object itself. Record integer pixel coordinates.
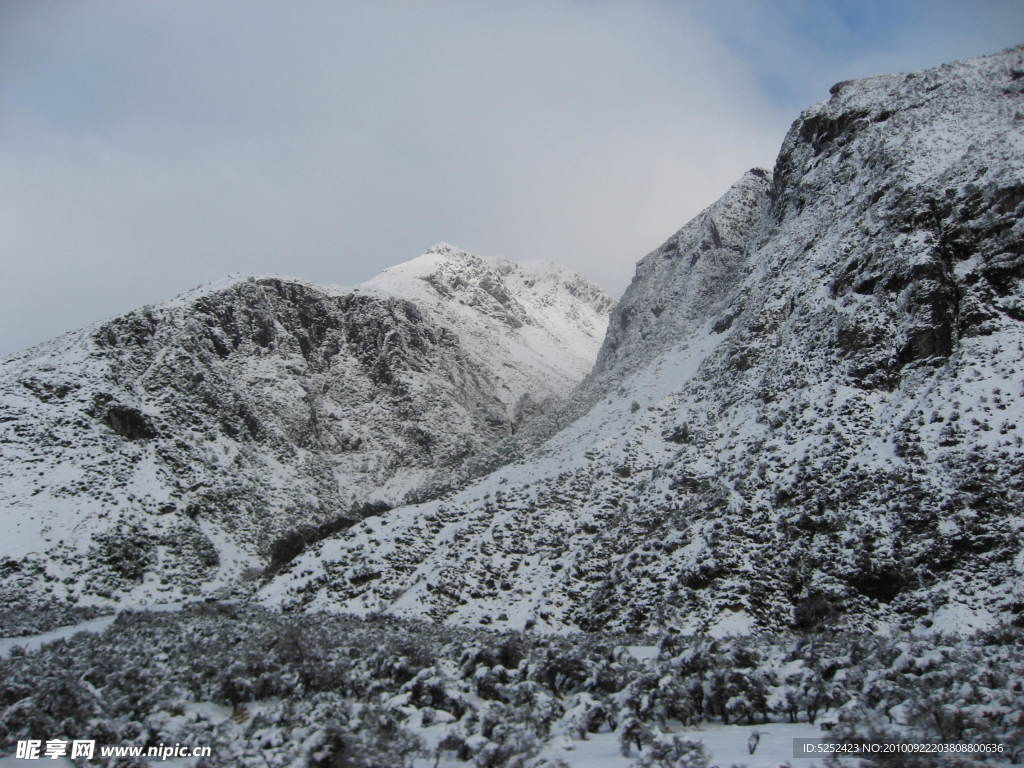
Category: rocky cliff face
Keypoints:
(805, 412)
(685, 280)
(174, 449)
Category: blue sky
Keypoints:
(797, 48)
(149, 147)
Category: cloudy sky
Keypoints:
(147, 147)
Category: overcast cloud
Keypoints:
(146, 147)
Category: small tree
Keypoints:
(633, 734)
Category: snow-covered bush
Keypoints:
(673, 752)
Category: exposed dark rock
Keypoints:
(823, 129)
(130, 423)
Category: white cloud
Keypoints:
(148, 147)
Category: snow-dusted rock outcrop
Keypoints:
(170, 450)
(806, 410)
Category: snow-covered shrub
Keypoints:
(673, 752)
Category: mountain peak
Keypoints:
(443, 248)
(523, 312)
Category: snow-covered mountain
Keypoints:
(535, 326)
(806, 409)
(175, 449)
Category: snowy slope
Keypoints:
(805, 412)
(169, 451)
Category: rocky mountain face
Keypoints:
(175, 449)
(805, 413)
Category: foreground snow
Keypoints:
(726, 746)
